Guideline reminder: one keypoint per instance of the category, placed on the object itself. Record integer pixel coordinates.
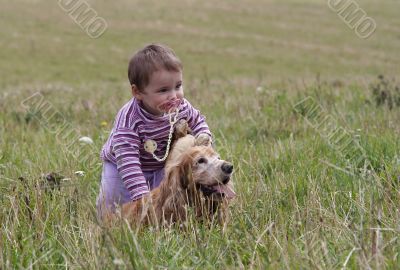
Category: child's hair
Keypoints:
(151, 58)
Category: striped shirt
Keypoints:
(132, 127)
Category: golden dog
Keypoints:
(195, 178)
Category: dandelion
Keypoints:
(80, 173)
(103, 124)
(86, 140)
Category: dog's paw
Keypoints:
(181, 129)
(203, 139)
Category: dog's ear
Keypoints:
(179, 174)
(185, 172)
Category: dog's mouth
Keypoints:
(221, 190)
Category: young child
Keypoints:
(129, 171)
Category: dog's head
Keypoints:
(201, 168)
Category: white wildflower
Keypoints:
(259, 89)
(86, 140)
(117, 261)
(80, 173)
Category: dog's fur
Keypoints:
(193, 173)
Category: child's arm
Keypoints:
(197, 121)
(126, 148)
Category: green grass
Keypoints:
(296, 207)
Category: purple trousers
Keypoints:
(113, 191)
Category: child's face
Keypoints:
(164, 87)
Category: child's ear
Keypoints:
(136, 92)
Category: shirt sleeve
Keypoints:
(126, 148)
(197, 121)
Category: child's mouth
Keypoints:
(170, 105)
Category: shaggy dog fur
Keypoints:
(195, 177)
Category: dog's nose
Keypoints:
(227, 167)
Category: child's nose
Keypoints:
(173, 95)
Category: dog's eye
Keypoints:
(202, 160)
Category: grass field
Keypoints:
(300, 204)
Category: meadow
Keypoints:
(247, 66)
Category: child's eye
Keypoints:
(178, 86)
(163, 90)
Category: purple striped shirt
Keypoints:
(132, 127)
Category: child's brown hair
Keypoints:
(151, 58)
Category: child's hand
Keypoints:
(203, 139)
